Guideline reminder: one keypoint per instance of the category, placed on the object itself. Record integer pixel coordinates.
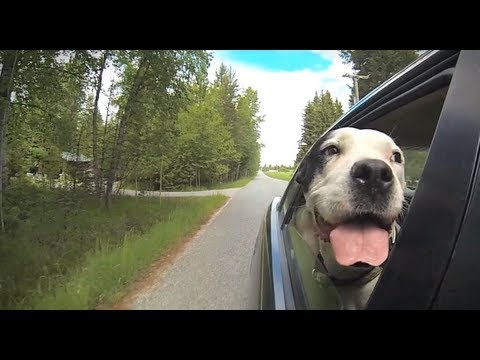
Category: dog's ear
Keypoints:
(311, 164)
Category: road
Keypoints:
(212, 271)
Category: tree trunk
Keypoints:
(122, 129)
(161, 180)
(77, 153)
(96, 163)
(6, 79)
(104, 149)
(136, 186)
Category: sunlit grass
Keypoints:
(281, 175)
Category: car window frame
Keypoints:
(445, 77)
(417, 285)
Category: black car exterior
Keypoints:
(432, 109)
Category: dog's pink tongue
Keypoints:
(365, 243)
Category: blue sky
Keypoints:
(285, 81)
(278, 60)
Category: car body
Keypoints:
(432, 110)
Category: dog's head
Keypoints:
(354, 187)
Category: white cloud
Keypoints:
(283, 96)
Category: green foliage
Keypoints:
(205, 145)
(165, 126)
(239, 111)
(213, 138)
(147, 135)
(109, 268)
(50, 233)
(319, 114)
(379, 64)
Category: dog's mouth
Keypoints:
(361, 240)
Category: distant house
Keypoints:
(71, 167)
(76, 166)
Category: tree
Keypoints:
(248, 130)
(205, 145)
(165, 122)
(96, 159)
(154, 85)
(319, 114)
(9, 61)
(379, 64)
(239, 109)
(228, 92)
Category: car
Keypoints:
(432, 110)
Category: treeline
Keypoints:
(318, 115)
(165, 123)
(282, 167)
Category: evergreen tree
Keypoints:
(379, 64)
(319, 114)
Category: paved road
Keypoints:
(212, 271)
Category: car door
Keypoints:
(423, 113)
(436, 243)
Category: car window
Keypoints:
(412, 126)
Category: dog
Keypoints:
(353, 187)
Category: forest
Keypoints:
(78, 125)
(164, 123)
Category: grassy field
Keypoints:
(66, 251)
(281, 175)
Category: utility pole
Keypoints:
(355, 78)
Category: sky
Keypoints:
(285, 81)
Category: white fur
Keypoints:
(330, 194)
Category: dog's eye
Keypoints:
(397, 157)
(331, 150)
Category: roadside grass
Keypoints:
(281, 175)
(227, 185)
(66, 251)
(145, 186)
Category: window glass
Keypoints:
(318, 293)
(412, 126)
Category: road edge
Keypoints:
(154, 275)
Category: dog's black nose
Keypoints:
(372, 173)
